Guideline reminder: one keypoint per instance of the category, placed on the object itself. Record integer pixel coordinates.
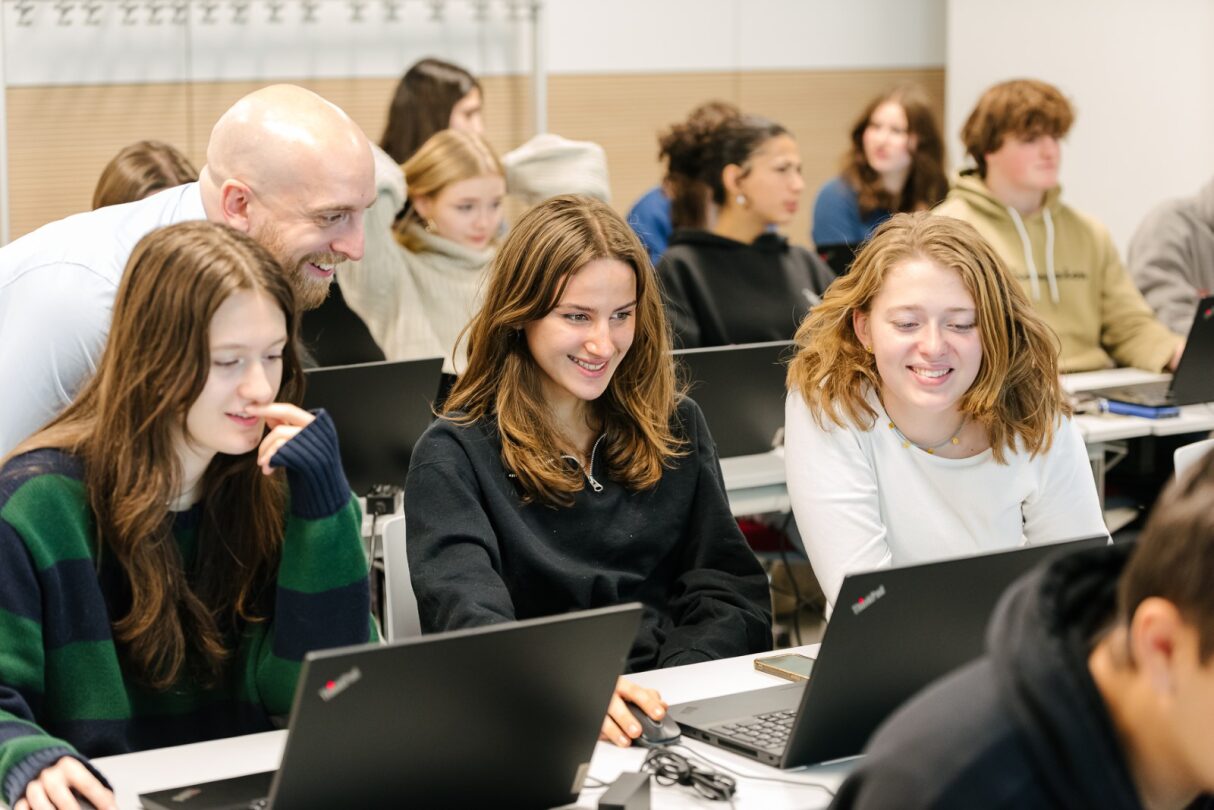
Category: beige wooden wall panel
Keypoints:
(61, 137)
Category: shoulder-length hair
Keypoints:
(125, 425)
(447, 157)
(142, 169)
(502, 383)
(926, 183)
(422, 104)
(1016, 395)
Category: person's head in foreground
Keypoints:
(930, 323)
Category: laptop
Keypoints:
(741, 391)
(893, 632)
(380, 411)
(1193, 381)
(500, 716)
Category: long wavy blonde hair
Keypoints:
(1016, 396)
(503, 383)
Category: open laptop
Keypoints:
(893, 632)
(380, 411)
(1193, 381)
(499, 716)
(740, 389)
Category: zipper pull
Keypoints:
(594, 484)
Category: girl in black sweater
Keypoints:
(567, 473)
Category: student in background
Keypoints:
(1095, 690)
(925, 418)
(681, 148)
(160, 578)
(418, 291)
(895, 164)
(568, 473)
(140, 170)
(1171, 258)
(433, 95)
(1065, 260)
(738, 282)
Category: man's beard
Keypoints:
(310, 291)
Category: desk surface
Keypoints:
(162, 768)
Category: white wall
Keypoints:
(489, 37)
(1141, 78)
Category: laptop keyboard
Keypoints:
(767, 731)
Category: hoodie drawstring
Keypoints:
(1027, 246)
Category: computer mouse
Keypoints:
(655, 732)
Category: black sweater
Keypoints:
(720, 291)
(1025, 726)
(479, 555)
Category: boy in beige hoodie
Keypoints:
(1066, 260)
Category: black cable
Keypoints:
(669, 768)
(749, 777)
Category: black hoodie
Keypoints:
(720, 291)
(1025, 726)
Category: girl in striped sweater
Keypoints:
(160, 579)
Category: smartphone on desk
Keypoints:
(791, 666)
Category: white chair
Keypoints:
(400, 604)
(1185, 457)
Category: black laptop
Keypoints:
(893, 632)
(380, 411)
(1193, 381)
(500, 716)
(741, 391)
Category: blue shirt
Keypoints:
(650, 218)
(837, 219)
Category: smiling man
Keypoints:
(1065, 260)
(283, 165)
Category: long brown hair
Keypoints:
(926, 183)
(422, 104)
(502, 383)
(125, 425)
(1016, 395)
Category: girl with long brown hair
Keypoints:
(894, 164)
(568, 473)
(925, 417)
(160, 578)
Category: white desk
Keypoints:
(162, 768)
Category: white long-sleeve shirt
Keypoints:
(863, 501)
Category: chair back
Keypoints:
(400, 605)
(1185, 457)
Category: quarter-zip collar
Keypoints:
(588, 471)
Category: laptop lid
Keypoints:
(380, 411)
(741, 391)
(1193, 381)
(893, 632)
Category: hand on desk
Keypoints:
(285, 421)
(620, 727)
(56, 786)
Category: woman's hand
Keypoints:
(620, 727)
(285, 421)
(56, 788)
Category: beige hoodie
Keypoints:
(1070, 269)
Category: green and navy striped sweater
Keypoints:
(62, 690)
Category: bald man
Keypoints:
(283, 165)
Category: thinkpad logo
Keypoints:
(335, 687)
(863, 602)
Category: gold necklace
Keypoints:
(931, 449)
